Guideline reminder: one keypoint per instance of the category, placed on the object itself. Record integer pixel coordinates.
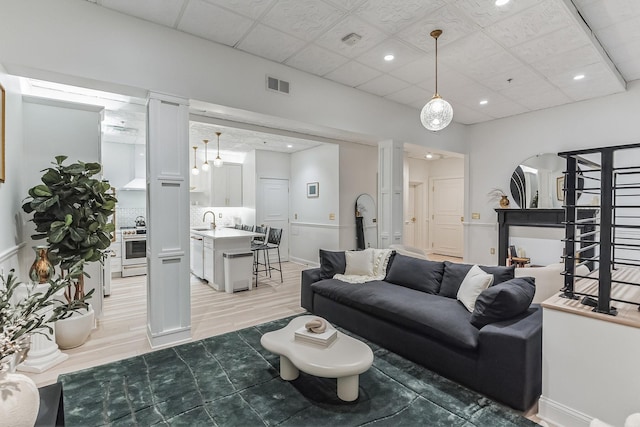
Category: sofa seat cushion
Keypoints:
(444, 319)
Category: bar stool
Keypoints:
(273, 243)
(257, 244)
(247, 227)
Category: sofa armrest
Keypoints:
(309, 277)
(510, 359)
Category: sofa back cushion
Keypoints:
(415, 273)
(331, 263)
(503, 301)
(455, 273)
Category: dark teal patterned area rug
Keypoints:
(230, 380)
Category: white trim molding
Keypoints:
(561, 415)
(12, 251)
(315, 225)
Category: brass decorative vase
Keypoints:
(504, 202)
(41, 270)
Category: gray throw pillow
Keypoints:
(455, 273)
(503, 301)
(415, 273)
(331, 263)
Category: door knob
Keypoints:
(413, 219)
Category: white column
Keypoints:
(43, 350)
(390, 208)
(168, 288)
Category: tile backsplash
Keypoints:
(126, 217)
(225, 217)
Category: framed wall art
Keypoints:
(313, 189)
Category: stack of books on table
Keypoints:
(324, 339)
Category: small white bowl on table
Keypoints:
(344, 359)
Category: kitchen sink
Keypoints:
(201, 228)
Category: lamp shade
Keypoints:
(436, 114)
(217, 162)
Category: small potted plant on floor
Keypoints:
(71, 209)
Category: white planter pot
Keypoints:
(20, 400)
(74, 331)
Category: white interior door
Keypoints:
(272, 210)
(410, 217)
(446, 233)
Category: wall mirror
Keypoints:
(538, 182)
(366, 222)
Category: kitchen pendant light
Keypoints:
(218, 161)
(205, 165)
(437, 114)
(195, 170)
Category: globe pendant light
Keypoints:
(218, 161)
(437, 114)
(195, 170)
(205, 165)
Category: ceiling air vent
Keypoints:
(277, 85)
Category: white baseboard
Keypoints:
(310, 264)
(557, 414)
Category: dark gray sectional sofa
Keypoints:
(429, 326)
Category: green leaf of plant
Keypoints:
(60, 159)
(57, 235)
(46, 204)
(51, 177)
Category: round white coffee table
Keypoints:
(345, 358)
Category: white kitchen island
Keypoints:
(216, 243)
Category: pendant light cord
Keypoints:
(435, 34)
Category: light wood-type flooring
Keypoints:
(122, 333)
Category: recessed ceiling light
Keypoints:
(484, 102)
(289, 146)
(501, 2)
(389, 57)
(429, 156)
(578, 77)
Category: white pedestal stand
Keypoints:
(44, 352)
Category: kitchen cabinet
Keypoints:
(197, 253)
(226, 186)
(208, 260)
(116, 255)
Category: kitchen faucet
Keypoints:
(213, 224)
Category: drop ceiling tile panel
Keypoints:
(403, 55)
(332, 39)
(502, 79)
(410, 95)
(383, 85)
(554, 43)
(630, 68)
(448, 79)
(485, 12)
(271, 44)
(304, 19)
(598, 81)
(213, 23)
(503, 109)
(347, 4)
(416, 71)
(353, 74)
(519, 91)
(450, 20)
(394, 15)
(567, 61)
(316, 60)
(163, 12)
(468, 116)
(470, 95)
(249, 8)
(488, 68)
(539, 99)
(545, 17)
(601, 14)
(473, 47)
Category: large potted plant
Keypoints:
(71, 209)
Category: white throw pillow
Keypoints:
(359, 263)
(473, 284)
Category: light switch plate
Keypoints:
(332, 216)
(475, 215)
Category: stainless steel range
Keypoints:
(134, 251)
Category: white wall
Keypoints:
(311, 226)
(11, 191)
(53, 128)
(166, 60)
(358, 175)
(497, 147)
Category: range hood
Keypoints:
(139, 182)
